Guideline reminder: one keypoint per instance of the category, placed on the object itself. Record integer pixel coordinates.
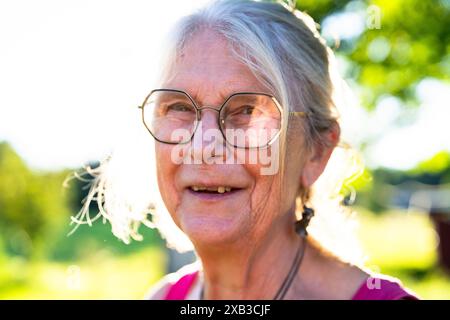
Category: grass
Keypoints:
(102, 276)
(398, 240)
(404, 245)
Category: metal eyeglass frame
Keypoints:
(220, 120)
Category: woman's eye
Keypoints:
(179, 108)
(247, 110)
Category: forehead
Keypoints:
(208, 69)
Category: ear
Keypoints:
(318, 158)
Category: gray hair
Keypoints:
(284, 50)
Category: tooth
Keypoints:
(194, 188)
(227, 189)
(221, 189)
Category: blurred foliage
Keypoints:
(37, 256)
(439, 165)
(89, 239)
(103, 275)
(35, 213)
(375, 189)
(406, 250)
(32, 205)
(411, 42)
(408, 243)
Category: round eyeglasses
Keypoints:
(246, 119)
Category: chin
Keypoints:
(213, 230)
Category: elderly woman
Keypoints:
(244, 124)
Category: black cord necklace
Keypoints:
(289, 277)
(300, 228)
(292, 272)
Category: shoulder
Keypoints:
(327, 276)
(383, 287)
(160, 290)
(344, 280)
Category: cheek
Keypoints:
(166, 173)
(296, 158)
(274, 194)
(265, 195)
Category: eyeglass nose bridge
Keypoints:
(208, 107)
(199, 111)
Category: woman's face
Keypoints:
(207, 70)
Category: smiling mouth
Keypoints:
(213, 190)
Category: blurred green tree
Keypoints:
(387, 48)
(399, 43)
(32, 205)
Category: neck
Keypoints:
(253, 268)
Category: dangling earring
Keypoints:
(301, 225)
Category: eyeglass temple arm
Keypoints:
(298, 113)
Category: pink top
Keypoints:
(377, 289)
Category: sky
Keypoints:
(73, 72)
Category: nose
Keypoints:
(208, 117)
(207, 141)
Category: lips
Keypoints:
(218, 189)
(212, 192)
(212, 182)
